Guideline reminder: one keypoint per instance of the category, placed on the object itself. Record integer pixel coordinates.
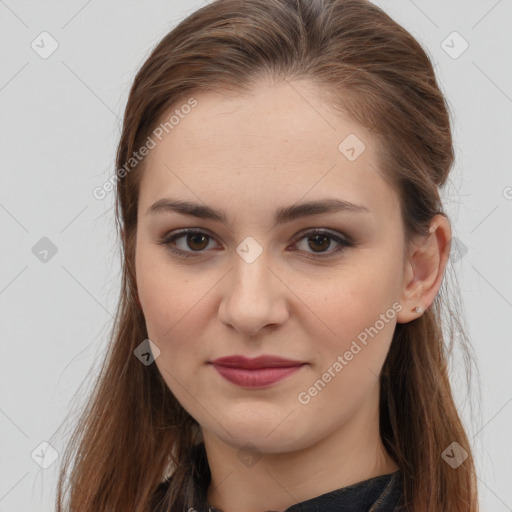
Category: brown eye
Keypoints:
(320, 240)
(196, 241)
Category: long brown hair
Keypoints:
(372, 70)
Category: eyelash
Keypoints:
(344, 242)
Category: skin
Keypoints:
(250, 155)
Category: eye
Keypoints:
(195, 239)
(321, 239)
(198, 241)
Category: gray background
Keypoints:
(60, 122)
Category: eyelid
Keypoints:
(344, 241)
(323, 231)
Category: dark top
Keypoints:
(380, 494)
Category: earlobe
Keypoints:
(425, 267)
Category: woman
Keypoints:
(278, 344)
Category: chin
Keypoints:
(247, 436)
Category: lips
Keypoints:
(257, 362)
(257, 372)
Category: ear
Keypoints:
(425, 265)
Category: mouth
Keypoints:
(256, 373)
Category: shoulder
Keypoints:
(392, 497)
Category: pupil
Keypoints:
(197, 236)
(324, 237)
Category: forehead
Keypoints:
(282, 139)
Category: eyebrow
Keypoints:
(281, 216)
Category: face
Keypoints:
(258, 283)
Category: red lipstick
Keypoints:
(257, 372)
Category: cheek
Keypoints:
(357, 311)
(163, 292)
(351, 359)
(172, 319)
(175, 311)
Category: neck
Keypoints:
(349, 454)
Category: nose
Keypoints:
(254, 297)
